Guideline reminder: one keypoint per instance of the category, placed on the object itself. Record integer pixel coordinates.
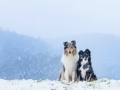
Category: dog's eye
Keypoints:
(66, 46)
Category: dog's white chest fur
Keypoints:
(70, 64)
(83, 71)
(70, 60)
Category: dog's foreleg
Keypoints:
(78, 75)
(89, 78)
(67, 76)
(73, 76)
(62, 75)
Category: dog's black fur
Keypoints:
(90, 76)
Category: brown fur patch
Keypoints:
(92, 79)
(78, 79)
(74, 51)
(66, 52)
(78, 69)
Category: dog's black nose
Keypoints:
(69, 52)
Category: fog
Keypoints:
(51, 18)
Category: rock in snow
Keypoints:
(100, 84)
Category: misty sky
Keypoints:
(57, 18)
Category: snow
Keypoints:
(100, 84)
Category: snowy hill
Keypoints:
(24, 57)
(101, 84)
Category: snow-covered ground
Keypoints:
(100, 84)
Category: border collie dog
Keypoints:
(84, 67)
(69, 59)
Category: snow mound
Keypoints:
(100, 84)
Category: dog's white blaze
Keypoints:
(83, 71)
(70, 64)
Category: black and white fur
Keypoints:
(84, 67)
(69, 59)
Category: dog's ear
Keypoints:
(73, 42)
(65, 43)
(80, 52)
(87, 51)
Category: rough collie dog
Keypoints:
(84, 67)
(69, 59)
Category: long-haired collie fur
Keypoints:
(61, 75)
(84, 67)
(69, 59)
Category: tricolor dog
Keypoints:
(84, 67)
(69, 59)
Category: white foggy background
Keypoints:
(57, 18)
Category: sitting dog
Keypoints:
(69, 59)
(84, 67)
